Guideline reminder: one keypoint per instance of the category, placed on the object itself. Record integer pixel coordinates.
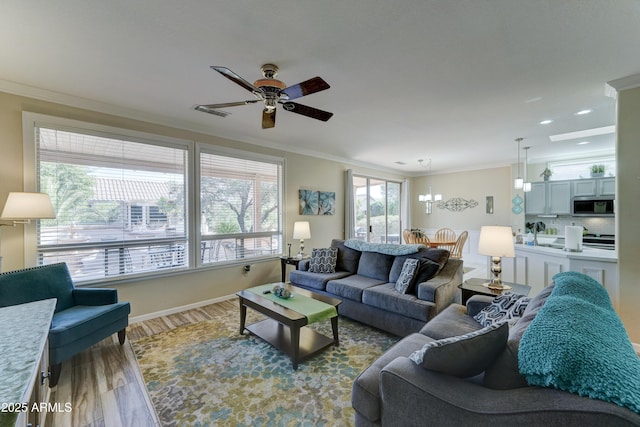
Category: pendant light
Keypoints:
(526, 187)
(518, 183)
(428, 198)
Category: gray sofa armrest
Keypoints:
(414, 396)
(476, 303)
(442, 289)
(303, 265)
(95, 296)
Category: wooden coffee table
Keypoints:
(285, 328)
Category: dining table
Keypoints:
(441, 243)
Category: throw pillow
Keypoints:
(323, 260)
(405, 280)
(504, 307)
(465, 355)
(427, 269)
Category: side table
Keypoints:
(284, 261)
(476, 286)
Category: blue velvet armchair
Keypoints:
(83, 316)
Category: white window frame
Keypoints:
(192, 204)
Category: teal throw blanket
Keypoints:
(577, 343)
(383, 248)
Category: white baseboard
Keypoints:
(174, 310)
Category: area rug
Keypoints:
(207, 374)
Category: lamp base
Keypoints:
(496, 286)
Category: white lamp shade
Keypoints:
(25, 206)
(518, 183)
(496, 241)
(301, 230)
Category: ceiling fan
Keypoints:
(271, 92)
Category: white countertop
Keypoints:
(588, 254)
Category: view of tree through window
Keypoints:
(377, 209)
(240, 206)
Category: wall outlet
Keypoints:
(246, 268)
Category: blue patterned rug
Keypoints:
(206, 374)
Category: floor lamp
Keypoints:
(21, 208)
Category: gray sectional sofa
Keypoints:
(364, 280)
(577, 345)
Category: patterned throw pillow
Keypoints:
(505, 307)
(464, 355)
(405, 280)
(323, 260)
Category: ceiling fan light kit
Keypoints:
(271, 92)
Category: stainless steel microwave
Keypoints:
(593, 206)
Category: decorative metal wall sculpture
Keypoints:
(457, 204)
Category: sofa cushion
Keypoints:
(347, 259)
(388, 298)
(323, 260)
(465, 355)
(351, 287)
(451, 321)
(504, 307)
(437, 255)
(404, 282)
(78, 321)
(310, 280)
(365, 396)
(375, 265)
(503, 373)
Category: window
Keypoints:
(576, 169)
(124, 201)
(240, 201)
(377, 209)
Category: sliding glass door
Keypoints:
(377, 209)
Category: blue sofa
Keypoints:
(82, 316)
(364, 279)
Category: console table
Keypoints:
(24, 329)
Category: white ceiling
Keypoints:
(452, 81)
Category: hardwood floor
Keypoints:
(103, 383)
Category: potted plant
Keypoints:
(546, 173)
(597, 171)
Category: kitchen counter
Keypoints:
(536, 266)
(587, 254)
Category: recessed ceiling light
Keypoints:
(546, 122)
(583, 143)
(583, 112)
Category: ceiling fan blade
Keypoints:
(307, 87)
(236, 79)
(206, 109)
(314, 113)
(228, 104)
(268, 118)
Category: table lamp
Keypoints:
(301, 230)
(496, 242)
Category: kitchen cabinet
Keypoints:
(548, 198)
(594, 187)
(536, 266)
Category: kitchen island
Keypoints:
(536, 266)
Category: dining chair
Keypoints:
(445, 234)
(456, 252)
(407, 236)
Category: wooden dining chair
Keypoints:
(445, 234)
(407, 236)
(456, 252)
